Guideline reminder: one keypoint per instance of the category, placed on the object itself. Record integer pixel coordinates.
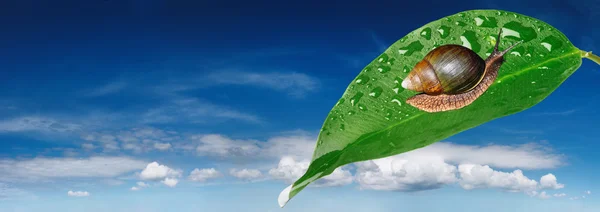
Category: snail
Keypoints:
(451, 77)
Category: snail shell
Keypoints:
(451, 77)
(448, 69)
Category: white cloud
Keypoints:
(155, 171)
(45, 168)
(298, 144)
(549, 182)
(171, 182)
(528, 156)
(78, 193)
(162, 146)
(246, 174)
(405, 174)
(543, 195)
(221, 146)
(478, 176)
(289, 170)
(139, 186)
(560, 195)
(88, 146)
(201, 175)
(588, 192)
(433, 167)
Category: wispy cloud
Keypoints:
(110, 88)
(9, 192)
(37, 123)
(48, 169)
(292, 83)
(192, 110)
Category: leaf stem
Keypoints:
(590, 56)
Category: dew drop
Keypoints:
(484, 21)
(356, 98)
(376, 92)
(388, 114)
(444, 31)
(509, 32)
(516, 53)
(460, 23)
(532, 82)
(383, 69)
(516, 29)
(543, 67)
(426, 33)
(547, 45)
(411, 48)
(341, 101)
(397, 101)
(362, 79)
(478, 21)
(398, 85)
(469, 39)
(552, 42)
(465, 42)
(362, 107)
(491, 40)
(383, 58)
(342, 127)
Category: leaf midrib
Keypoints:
(576, 51)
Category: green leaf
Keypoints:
(371, 120)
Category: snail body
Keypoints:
(451, 77)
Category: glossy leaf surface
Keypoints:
(372, 120)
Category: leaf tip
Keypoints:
(284, 196)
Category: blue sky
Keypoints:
(198, 106)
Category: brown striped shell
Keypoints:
(448, 69)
